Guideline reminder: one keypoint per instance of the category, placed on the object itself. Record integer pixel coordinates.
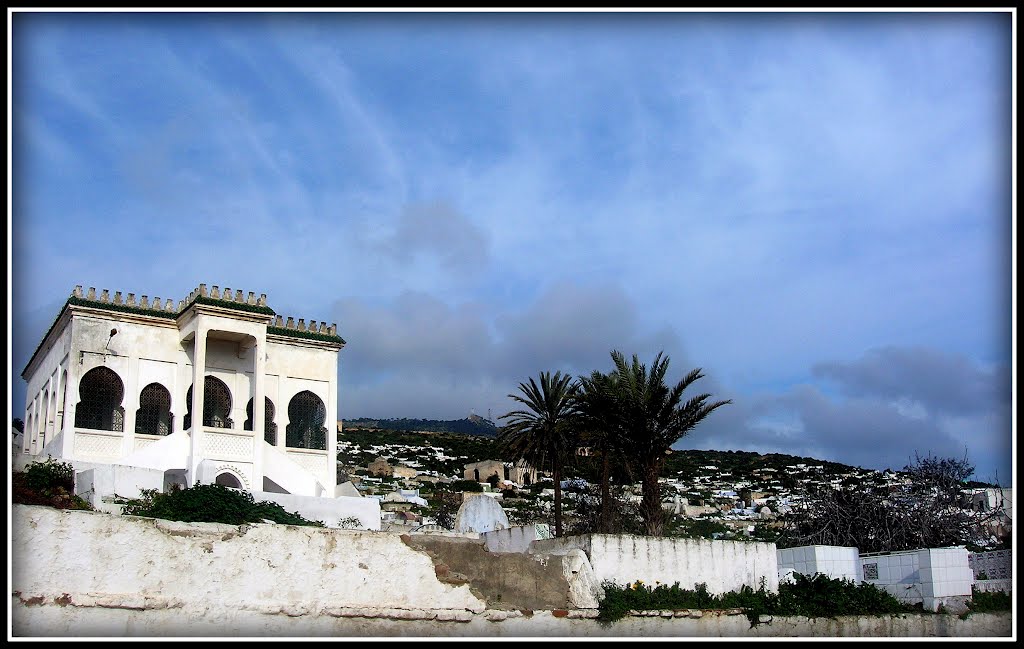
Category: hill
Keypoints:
(439, 446)
(472, 425)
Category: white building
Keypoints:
(111, 385)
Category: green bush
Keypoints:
(465, 485)
(50, 475)
(210, 503)
(49, 483)
(817, 596)
(987, 602)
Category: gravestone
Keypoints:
(480, 513)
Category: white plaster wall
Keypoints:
(262, 567)
(169, 452)
(292, 360)
(898, 573)
(328, 510)
(832, 561)
(515, 539)
(49, 357)
(85, 574)
(93, 618)
(723, 565)
(109, 480)
(931, 576)
(46, 379)
(945, 572)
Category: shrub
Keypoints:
(210, 503)
(50, 475)
(48, 483)
(465, 485)
(817, 596)
(987, 602)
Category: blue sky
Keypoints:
(814, 208)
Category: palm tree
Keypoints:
(595, 423)
(652, 417)
(543, 435)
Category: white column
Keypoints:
(30, 424)
(131, 405)
(198, 390)
(281, 413)
(44, 411)
(58, 419)
(70, 404)
(36, 424)
(332, 430)
(51, 410)
(259, 410)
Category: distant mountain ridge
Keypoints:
(472, 425)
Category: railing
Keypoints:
(223, 444)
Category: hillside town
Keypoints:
(748, 503)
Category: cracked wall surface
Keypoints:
(83, 555)
(504, 581)
(88, 574)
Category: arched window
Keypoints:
(228, 480)
(216, 404)
(306, 415)
(154, 414)
(269, 427)
(100, 393)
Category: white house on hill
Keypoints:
(111, 389)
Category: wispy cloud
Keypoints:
(813, 207)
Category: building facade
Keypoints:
(113, 382)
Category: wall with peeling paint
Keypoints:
(125, 561)
(90, 574)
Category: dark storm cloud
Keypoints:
(940, 381)
(867, 432)
(889, 410)
(417, 345)
(570, 327)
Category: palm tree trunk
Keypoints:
(557, 471)
(606, 504)
(651, 504)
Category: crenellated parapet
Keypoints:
(210, 295)
(280, 322)
(143, 303)
(225, 295)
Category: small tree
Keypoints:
(446, 506)
(926, 511)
